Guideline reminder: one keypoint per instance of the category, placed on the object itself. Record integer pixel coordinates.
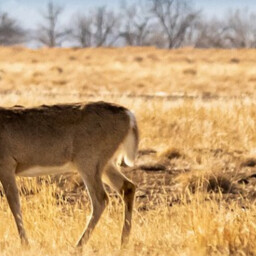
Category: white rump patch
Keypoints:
(128, 149)
(132, 119)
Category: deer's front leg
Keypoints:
(8, 181)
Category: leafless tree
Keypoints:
(242, 29)
(175, 17)
(210, 33)
(10, 32)
(136, 25)
(50, 34)
(82, 30)
(237, 29)
(105, 22)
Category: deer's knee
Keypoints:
(103, 199)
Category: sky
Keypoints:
(27, 12)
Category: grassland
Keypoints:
(196, 111)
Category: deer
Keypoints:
(93, 138)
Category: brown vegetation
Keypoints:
(195, 170)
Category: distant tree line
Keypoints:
(160, 23)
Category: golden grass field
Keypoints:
(196, 111)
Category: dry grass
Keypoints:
(200, 130)
(128, 70)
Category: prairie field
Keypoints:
(196, 167)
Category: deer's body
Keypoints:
(90, 138)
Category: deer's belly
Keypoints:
(34, 171)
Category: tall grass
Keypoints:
(212, 138)
(198, 225)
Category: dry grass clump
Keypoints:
(171, 153)
(248, 162)
(206, 181)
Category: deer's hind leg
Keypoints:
(91, 175)
(7, 178)
(126, 189)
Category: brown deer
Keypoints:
(93, 138)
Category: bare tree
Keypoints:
(105, 32)
(175, 17)
(210, 33)
(242, 29)
(136, 28)
(237, 29)
(50, 34)
(10, 32)
(82, 31)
